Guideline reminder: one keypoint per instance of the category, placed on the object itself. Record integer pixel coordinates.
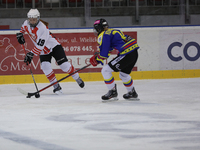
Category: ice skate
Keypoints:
(111, 95)
(80, 82)
(132, 95)
(57, 89)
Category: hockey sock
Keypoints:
(47, 70)
(129, 85)
(110, 83)
(127, 81)
(108, 77)
(68, 68)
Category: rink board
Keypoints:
(165, 52)
(136, 75)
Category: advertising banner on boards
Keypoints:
(179, 49)
(79, 47)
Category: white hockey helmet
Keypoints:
(33, 13)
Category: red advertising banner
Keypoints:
(79, 47)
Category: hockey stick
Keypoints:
(36, 95)
(38, 91)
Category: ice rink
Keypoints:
(167, 117)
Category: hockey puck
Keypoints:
(28, 96)
(37, 95)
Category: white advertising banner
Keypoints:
(179, 48)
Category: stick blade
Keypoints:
(28, 95)
(22, 91)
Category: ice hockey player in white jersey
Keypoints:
(46, 46)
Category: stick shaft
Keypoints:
(30, 70)
(31, 94)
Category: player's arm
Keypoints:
(21, 40)
(20, 37)
(97, 59)
(39, 45)
(104, 47)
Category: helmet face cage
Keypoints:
(33, 13)
(99, 25)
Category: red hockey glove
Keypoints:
(93, 60)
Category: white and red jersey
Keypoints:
(42, 39)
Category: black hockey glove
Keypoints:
(128, 38)
(20, 38)
(28, 58)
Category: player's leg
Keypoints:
(128, 83)
(110, 83)
(48, 71)
(125, 75)
(124, 65)
(113, 66)
(61, 59)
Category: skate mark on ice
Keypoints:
(162, 128)
(31, 142)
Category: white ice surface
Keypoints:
(167, 117)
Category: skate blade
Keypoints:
(133, 99)
(110, 100)
(59, 92)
